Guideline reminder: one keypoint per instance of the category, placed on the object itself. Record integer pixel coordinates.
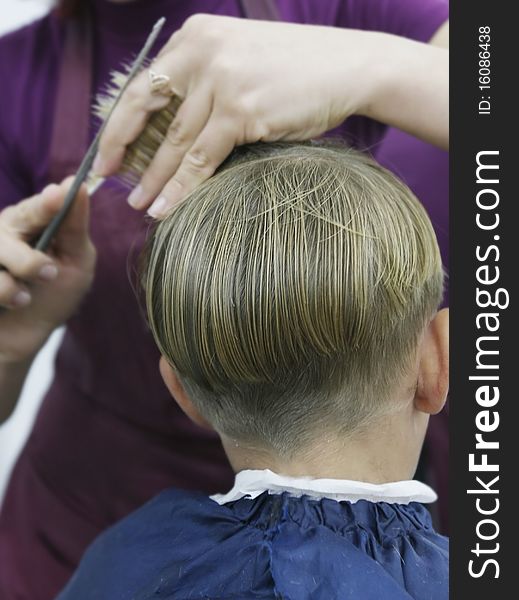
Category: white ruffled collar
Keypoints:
(252, 483)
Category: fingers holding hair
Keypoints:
(212, 146)
(132, 112)
(187, 125)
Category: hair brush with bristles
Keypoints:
(139, 153)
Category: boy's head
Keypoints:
(291, 294)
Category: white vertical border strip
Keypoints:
(16, 13)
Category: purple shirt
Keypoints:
(108, 437)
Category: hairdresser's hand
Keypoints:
(40, 291)
(244, 81)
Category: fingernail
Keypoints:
(21, 298)
(137, 198)
(49, 187)
(99, 165)
(159, 207)
(48, 272)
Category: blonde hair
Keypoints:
(290, 290)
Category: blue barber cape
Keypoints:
(183, 545)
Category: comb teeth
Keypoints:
(139, 153)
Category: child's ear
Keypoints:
(177, 391)
(433, 375)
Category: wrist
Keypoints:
(365, 63)
(15, 360)
(384, 71)
(410, 88)
(20, 345)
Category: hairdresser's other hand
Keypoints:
(40, 291)
(243, 81)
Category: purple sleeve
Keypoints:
(13, 186)
(415, 19)
(29, 59)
